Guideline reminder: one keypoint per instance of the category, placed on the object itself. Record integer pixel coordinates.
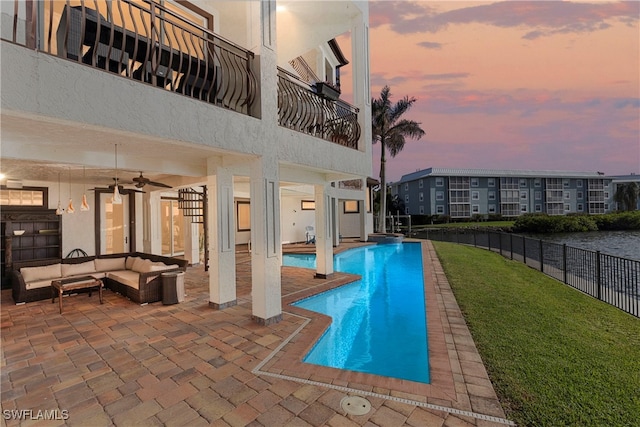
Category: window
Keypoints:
(439, 195)
(421, 210)
(406, 198)
(308, 205)
(523, 182)
(567, 207)
(580, 207)
(492, 195)
(565, 183)
(579, 183)
(491, 182)
(439, 210)
(606, 194)
(524, 195)
(420, 184)
(475, 195)
(406, 186)
(524, 208)
(26, 196)
(475, 209)
(537, 182)
(538, 195)
(172, 227)
(421, 196)
(492, 209)
(538, 208)
(406, 211)
(567, 195)
(243, 215)
(351, 206)
(475, 182)
(439, 182)
(580, 195)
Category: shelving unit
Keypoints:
(41, 240)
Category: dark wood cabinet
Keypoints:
(29, 235)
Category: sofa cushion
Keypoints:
(130, 261)
(34, 284)
(110, 264)
(141, 265)
(126, 277)
(31, 274)
(85, 268)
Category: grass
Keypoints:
(556, 357)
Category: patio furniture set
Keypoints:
(137, 276)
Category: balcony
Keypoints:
(302, 109)
(138, 40)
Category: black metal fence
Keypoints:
(608, 278)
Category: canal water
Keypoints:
(625, 244)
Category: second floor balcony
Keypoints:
(170, 49)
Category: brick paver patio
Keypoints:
(186, 364)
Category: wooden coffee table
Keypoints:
(75, 283)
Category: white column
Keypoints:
(335, 220)
(191, 241)
(266, 242)
(222, 254)
(324, 232)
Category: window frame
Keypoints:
(240, 213)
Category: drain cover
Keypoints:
(355, 405)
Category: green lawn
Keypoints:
(556, 357)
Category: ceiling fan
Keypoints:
(121, 188)
(141, 181)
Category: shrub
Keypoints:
(543, 223)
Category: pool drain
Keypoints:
(355, 405)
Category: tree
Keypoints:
(627, 196)
(391, 131)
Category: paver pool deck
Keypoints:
(187, 364)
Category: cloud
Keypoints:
(544, 17)
(446, 76)
(430, 45)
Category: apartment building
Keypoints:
(175, 120)
(464, 193)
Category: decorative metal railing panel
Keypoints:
(140, 40)
(303, 110)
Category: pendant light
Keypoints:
(59, 210)
(70, 208)
(84, 206)
(117, 199)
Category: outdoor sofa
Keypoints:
(136, 275)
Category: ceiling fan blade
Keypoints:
(158, 184)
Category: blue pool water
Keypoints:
(379, 322)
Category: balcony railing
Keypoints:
(303, 110)
(139, 40)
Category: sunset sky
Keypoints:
(545, 85)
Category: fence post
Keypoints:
(488, 240)
(475, 244)
(524, 249)
(598, 281)
(541, 256)
(511, 244)
(564, 262)
(500, 242)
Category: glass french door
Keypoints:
(172, 228)
(114, 224)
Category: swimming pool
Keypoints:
(379, 322)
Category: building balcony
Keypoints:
(302, 109)
(142, 41)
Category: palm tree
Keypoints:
(390, 130)
(627, 196)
